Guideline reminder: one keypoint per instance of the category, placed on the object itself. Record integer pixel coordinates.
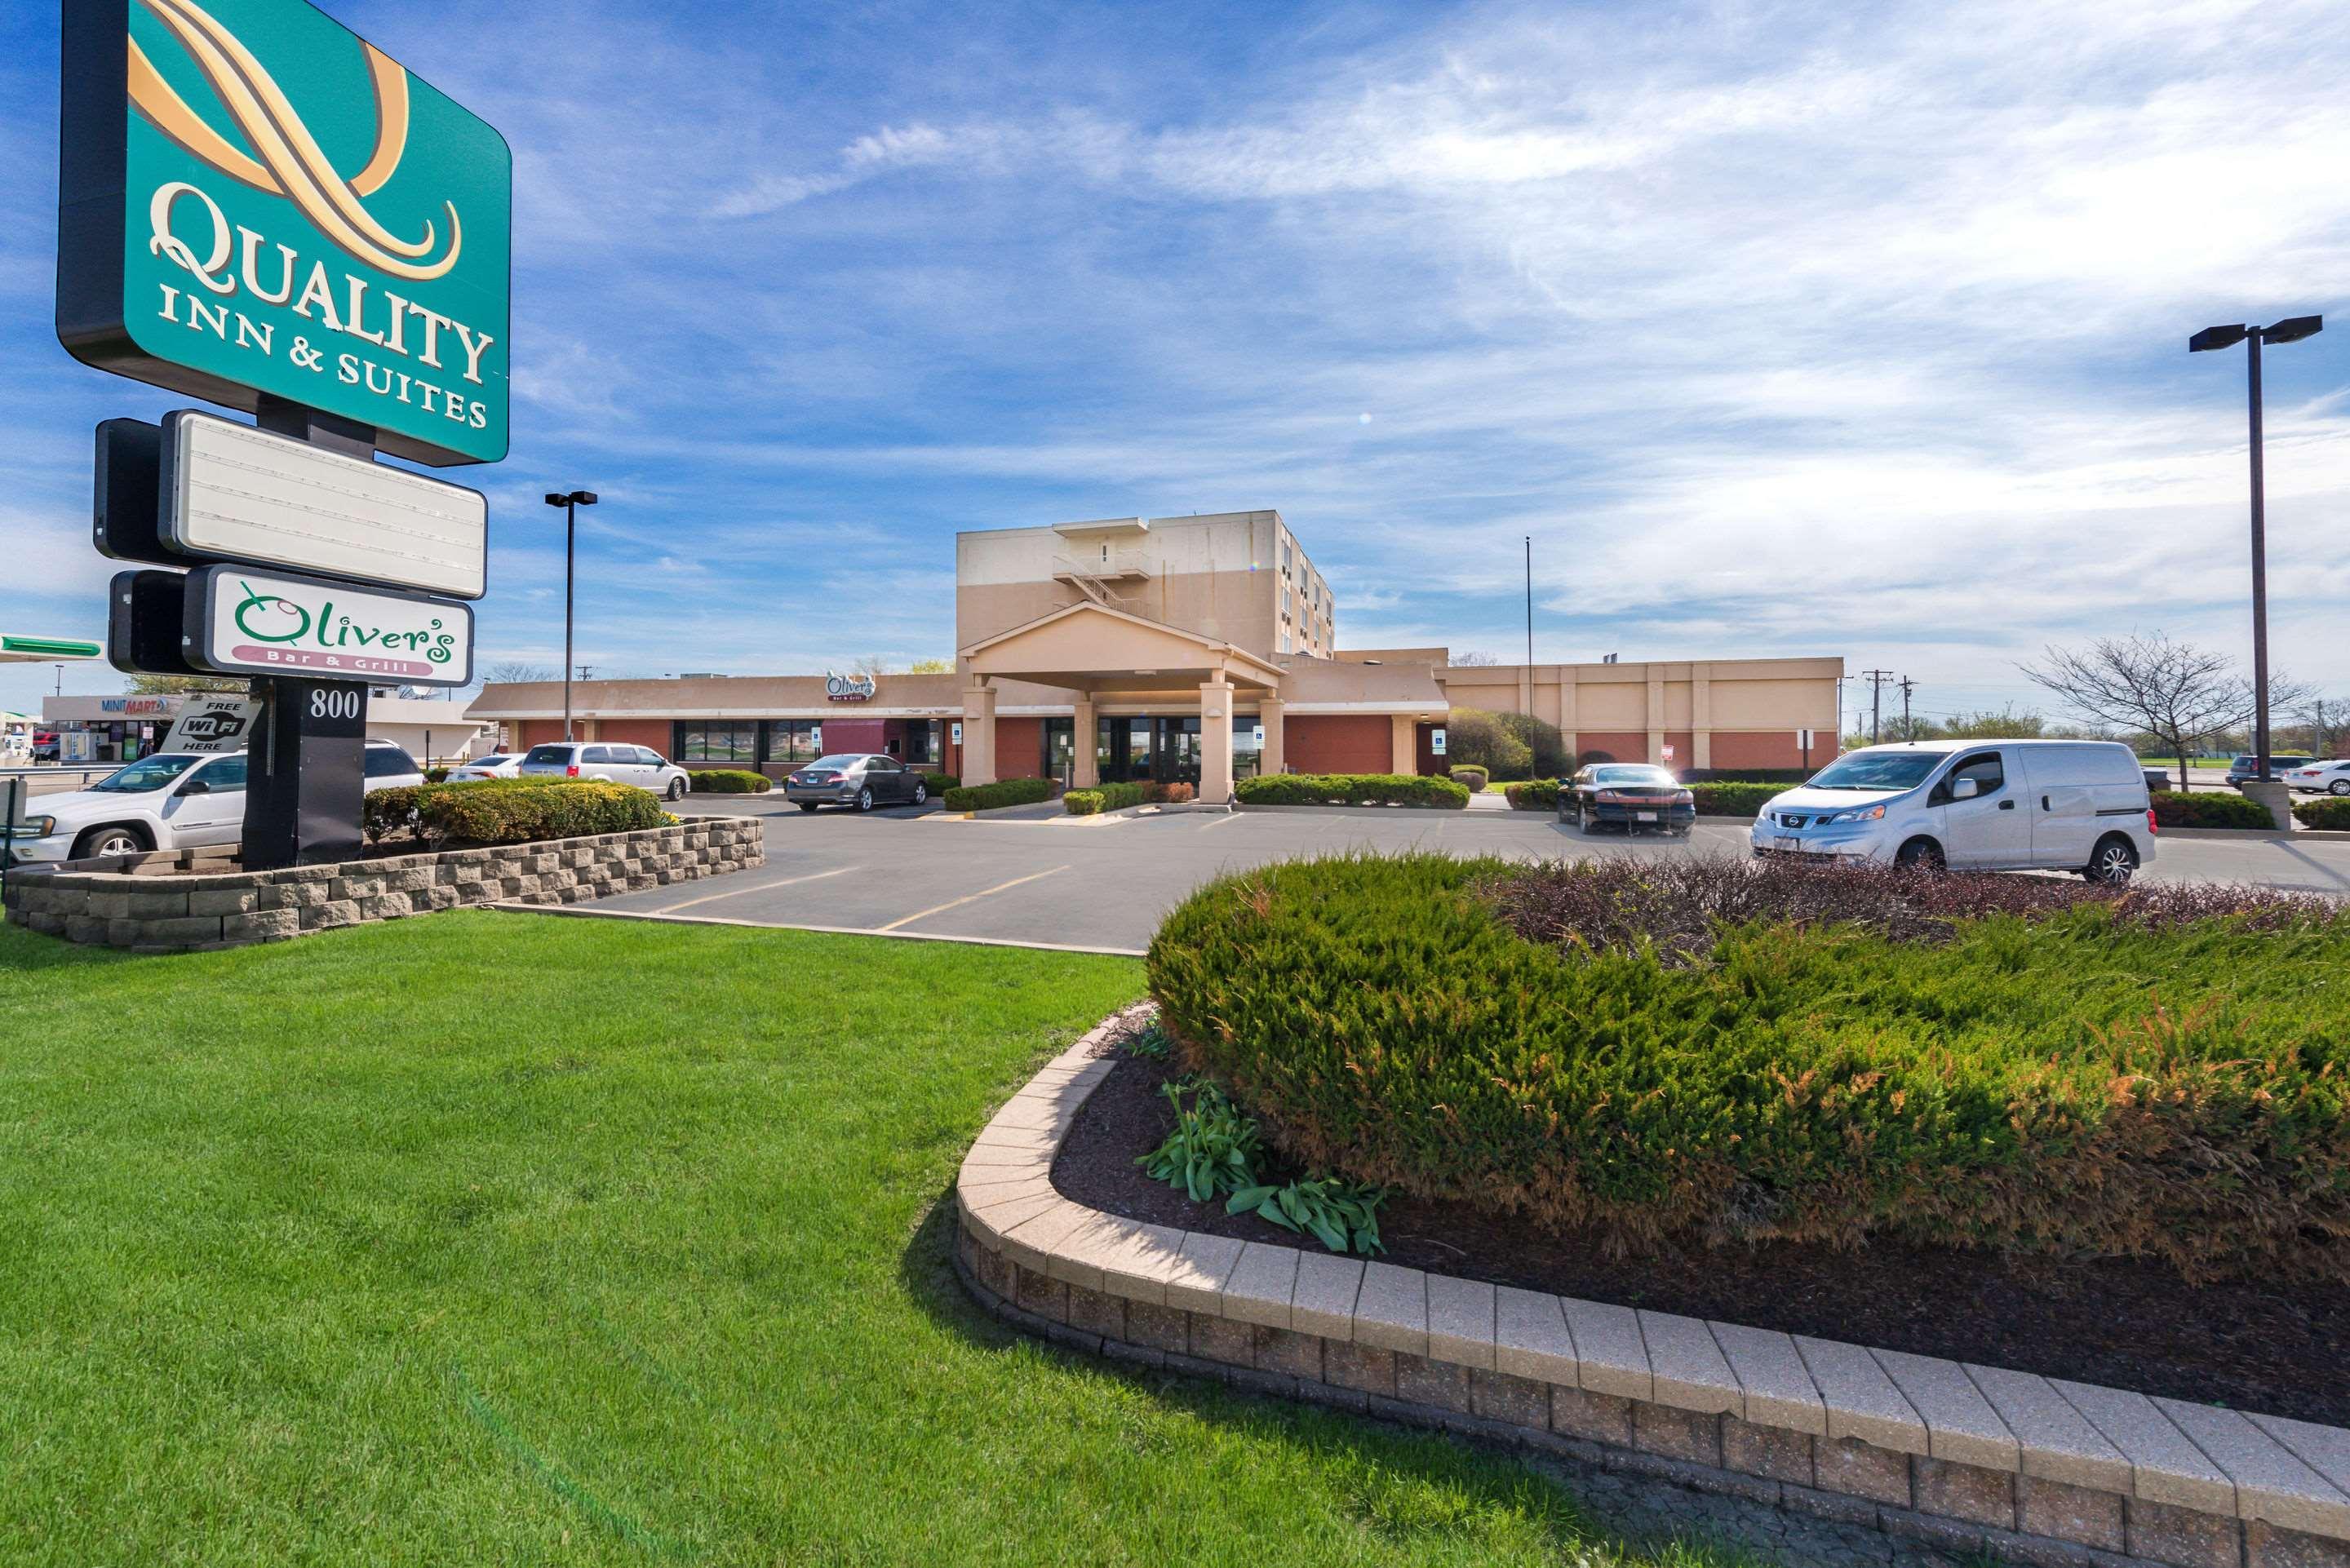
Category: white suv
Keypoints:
(609, 760)
(172, 800)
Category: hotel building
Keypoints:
(1200, 649)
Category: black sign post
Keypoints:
(307, 773)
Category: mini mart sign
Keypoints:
(242, 622)
(253, 200)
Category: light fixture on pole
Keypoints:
(2291, 330)
(571, 503)
(1530, 601)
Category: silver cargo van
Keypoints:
(1974, 805)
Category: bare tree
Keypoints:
(1475, 657)
(513, 670)
(2175, 690)
(872, 664)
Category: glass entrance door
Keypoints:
(1138, 748)
(1175, 751)
(1060, 758)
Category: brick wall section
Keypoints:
(168, 903)
(1020, 748)
(1622, 746)
(1768, 749)
(1339, 742)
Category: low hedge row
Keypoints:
(728, 781)
(1540, 794)
(1003, 792)
(508, 811)
(1105, 797)
(1734, 799)
(941, 782)
(1351, 789)
(2331, 814)
(2209, 809)
(1470, 778)
(2160, 1073)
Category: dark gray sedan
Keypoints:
(859, 779)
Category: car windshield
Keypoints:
(1879, 770)
(146, 775)
(839, 763)
(1632, 775)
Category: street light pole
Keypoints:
(2291, 330)
(571, 503)
(1530, 600)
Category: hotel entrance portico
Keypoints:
(1151, 701)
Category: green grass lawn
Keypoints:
(504, 1239)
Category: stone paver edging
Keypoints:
(2032, 1468)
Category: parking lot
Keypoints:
(1106, 883)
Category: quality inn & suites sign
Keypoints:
(254, 200)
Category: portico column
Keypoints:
(1216, 742)
(1081, 743)
(1403, 745)
(979, 733)
(1702, 715)
(1269, 715)
(1655, 714)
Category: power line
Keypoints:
(1876, 680)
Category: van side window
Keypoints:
(1984, 768)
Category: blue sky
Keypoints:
(1781, 328)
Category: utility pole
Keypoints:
(1876, 680)
(1906, 732)
(584, 671)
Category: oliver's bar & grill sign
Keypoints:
(241, 622)
(253, 200)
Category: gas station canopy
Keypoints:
(46, 649)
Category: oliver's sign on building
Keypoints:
(254, 199)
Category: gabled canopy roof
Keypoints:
(1091, 647)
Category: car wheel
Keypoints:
(677, 789)
(922, 793)
(865, 798)
(2114, 862)
(100, 841)
(1920, 855)
(2339, 787)
(804, 805)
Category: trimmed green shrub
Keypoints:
(1350, 789)
(2160, 1072)
(1472, 779)
(1734, 799)
(1003, 792)
(2209, 809)
(1475, 738)
(2331, 815)
(508, 811)
(436, 775)
(1105, 797)
(941, 782)
(1535, 794)
(728, 781)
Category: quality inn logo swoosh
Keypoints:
(285, 158)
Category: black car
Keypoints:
(858, 779)
(1630, 796)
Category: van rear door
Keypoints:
(2077, 794)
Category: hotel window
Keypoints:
(735, 744)
(1285, 644)
(794, 741)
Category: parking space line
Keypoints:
(759, 888)
(968, 898)
(1219, 822)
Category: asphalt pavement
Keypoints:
(1105, 883)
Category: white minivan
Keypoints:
(1972, 806)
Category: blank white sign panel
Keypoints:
(243, 494)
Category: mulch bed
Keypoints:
(2280, 1349)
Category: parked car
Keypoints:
(47, 747)
(1630, 796)
(496, 766)
(608, 761)
(1974, 805)
(172, 800)
(2248, 767)
(862, 780)
(2321, 778)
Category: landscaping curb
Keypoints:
(2041, 1470)
(159, 903)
